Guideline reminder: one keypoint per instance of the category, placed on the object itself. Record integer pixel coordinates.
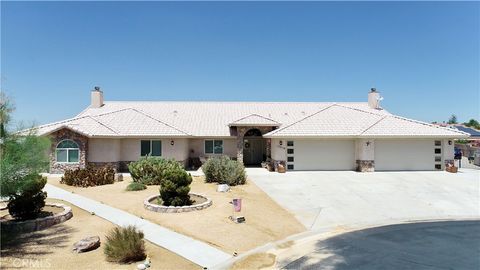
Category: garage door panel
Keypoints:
(324, 155)
(401, 155)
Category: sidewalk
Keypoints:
(191, 249)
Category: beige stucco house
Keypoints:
(358, 136)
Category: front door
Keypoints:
(253, 151)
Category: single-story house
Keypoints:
(358, 136)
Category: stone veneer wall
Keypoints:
(67, 134)
(241, 135)
(365, 166)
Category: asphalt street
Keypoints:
(431, 245)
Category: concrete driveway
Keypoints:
(346, 200)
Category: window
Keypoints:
(438, 143)
(438, 159)
(151, 147)
(438, 166)
(290, 167)
(438, 151)
(290, 159)
(289, 143)
(213, 147)
(67, 152)
(290, 151)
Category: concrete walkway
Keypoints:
(191, 249)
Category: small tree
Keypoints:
(452, 119)
(22, 157)
(175, 187)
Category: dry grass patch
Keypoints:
(255, 261)
(52, 248)
(266, 220)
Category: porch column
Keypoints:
(240, 149)
(240, 134)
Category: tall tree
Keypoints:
(452, 119)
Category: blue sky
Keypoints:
(423, 56)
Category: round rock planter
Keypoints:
(176, 209)
(39, 223)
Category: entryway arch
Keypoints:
(254, 147)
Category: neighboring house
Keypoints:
(302, 135)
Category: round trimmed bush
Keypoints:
(135, 186)
(175, 187)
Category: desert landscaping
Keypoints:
(52, 248)
(266, 221)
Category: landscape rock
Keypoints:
(118, 177)
(87, 244)
(223, 188)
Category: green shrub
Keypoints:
(223, 170)
(89, 176)
(150, 170)
(124, 245)
(29, 203)
(175, 187)
(134, 186)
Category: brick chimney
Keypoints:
(96, 98)
(374, 99)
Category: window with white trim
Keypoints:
(151, 147)
(213, 146)
(67, 151)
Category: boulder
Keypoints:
(118, 177)
(87, 244)
(223, 188)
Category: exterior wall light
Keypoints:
(281, 143)
(449, 142)
(172, 142)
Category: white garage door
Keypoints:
(325, 155)
(401, 155)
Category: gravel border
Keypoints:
(176, 209)
(39, 223)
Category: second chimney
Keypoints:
(374, 99)
(96, 98)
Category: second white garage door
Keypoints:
(323, 155)
(399, 155)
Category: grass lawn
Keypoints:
(52, 248)
(266, 221)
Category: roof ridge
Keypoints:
(255, 114)
(376, 122)
(361, 110)
(60, 122)
(147, 115)
(296, 122)
(229, 101)
(103, 124)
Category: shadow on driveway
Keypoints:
(429, 245)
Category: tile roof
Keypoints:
(343, 121)
(254, 120)
(213, 119)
